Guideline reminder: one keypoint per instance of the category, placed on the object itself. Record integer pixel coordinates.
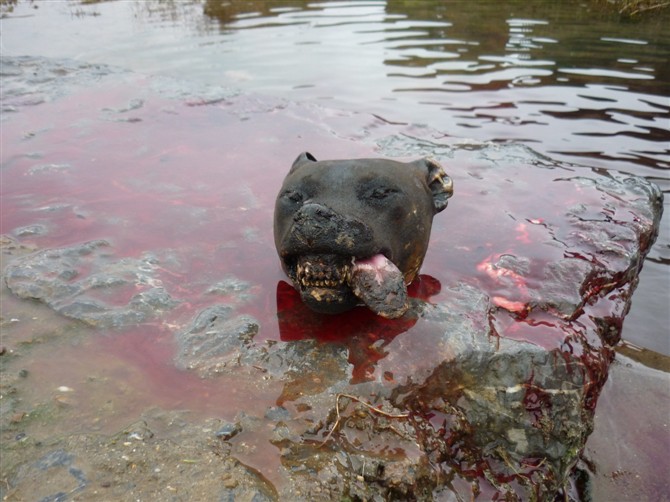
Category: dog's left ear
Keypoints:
(302, 158)
(440, 184)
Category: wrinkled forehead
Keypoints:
(348, 173)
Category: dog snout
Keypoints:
(314, 212)
(317, 227)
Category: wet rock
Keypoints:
(29, 81)
(139, 431)
(84, 281)
(59, 466)
(228, 431)
(11, 247)
(310, 371)
(233, 288)
(215, 339)
(276, 413)
(49, 168)
(30, 230)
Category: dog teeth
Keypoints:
(310, 274)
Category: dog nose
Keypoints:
(316, 217)
(315, 223)
(315, 212)
(319, 228)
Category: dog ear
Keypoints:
(440, 184)
(302, 158)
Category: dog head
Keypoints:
(352, 231)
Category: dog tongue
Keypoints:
(380, 285)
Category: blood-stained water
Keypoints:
(179, 191)
(193, 183)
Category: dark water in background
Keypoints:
(568, 79)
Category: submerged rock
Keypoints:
(84, 282)
(214, 340)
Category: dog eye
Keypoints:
(381, 193)
(294, 196)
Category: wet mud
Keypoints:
(151, 344)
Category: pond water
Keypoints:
(570, 79)
(114, 156)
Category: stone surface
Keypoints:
(156, 221)
(84, 282)
(214, 340)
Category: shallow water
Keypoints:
(569, 79)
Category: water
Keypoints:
(569, 79)
(118, 162)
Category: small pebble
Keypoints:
(230, 482)
(17, 417)
(228, 431)
(64, 401)
(23, 373)
(277, 413)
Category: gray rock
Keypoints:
(30, 230)
(228, 431)
(215, 339)
(76, 281)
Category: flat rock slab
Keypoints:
(149, 206)
(83, 282)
